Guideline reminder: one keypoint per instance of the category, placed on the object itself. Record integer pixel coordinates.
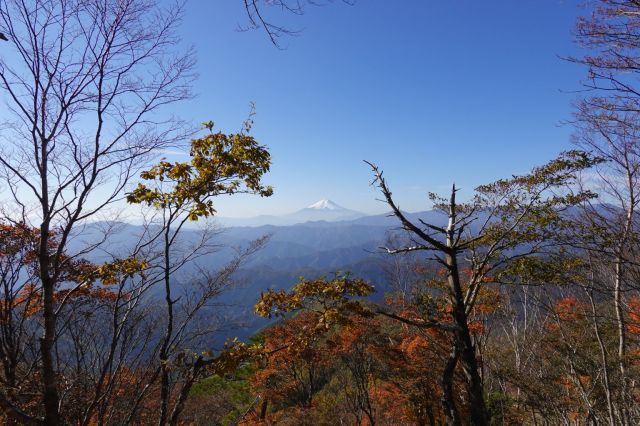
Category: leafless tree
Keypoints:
(608, 123)
(175, 366)
(86, 82)
(259, 17)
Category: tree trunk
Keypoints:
(463, 347)
(184, 392)
(263, 409)
(448, 400)
(50, 391)
(604, 359)
(47, 342)
(164, 350)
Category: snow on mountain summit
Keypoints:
(321, 211)
(325, 205)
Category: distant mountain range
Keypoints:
(324, 238)
(325, 210)
(318, 240)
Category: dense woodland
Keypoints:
(522, 306)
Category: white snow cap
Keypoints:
(325, 205)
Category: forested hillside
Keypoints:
(513, 303)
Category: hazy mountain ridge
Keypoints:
(310, 249)
(322, 210)
(323, 245)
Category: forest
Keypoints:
(518, 305)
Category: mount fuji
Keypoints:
(323, 210)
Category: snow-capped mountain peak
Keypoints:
(323, 210)
(325, 205)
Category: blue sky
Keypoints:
(433, 92)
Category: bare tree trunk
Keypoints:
(605, 360)
(622, 338)
(448, 399)
(184, 392)
(164, 355)
(50, 389)
(462, 337)
(263, 409)
(50, 392)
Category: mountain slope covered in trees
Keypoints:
(518, 304)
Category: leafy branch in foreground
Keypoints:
(220, 164)
(333, 300)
